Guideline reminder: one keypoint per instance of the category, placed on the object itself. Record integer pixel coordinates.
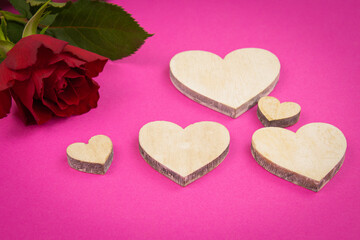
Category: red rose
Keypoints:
(48, 77)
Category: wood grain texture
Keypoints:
(183, 155)
(273, 114)
(309, 158)
(94, 157)
(231, 85)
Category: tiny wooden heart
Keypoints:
(183, 155)
(94, 157)
(273, 114)
(309, 158)
(231, 85)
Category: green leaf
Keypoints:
(14, 31)
(44, 30)
(33, 23)
(13, 17)
(99, 27)
(22, 7)
(3, 29)
(53, 7)
(48, 19)
(5, 46)
(2, 35)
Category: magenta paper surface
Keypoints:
(318, 44)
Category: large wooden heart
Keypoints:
(309, 158)
(183, 155)
(231, 85)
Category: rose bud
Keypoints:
(47, 77)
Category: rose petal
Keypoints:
(83, 54)
(92, 69)
(94, 62)
(65, 111)
(43, 56)
(81, 87)
(49, 89)
(69, 96)
(25, 52)
(73, 74)
(83, 107)
(94, 93)
(39, 76)
(8, 76)
(79, 83)
(5, 103)
(55, 82)
(24, 112)
(61, 104)
(67, 58)
(93, 99)
(43, 114)
(54, 103)
(89, 102)
(23, 92)
(50, 94)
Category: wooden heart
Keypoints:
(273, 114)
(231, 85)
(309, 158)
(94, 157)
(183, 155)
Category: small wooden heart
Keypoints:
(231, 85)
(94, 157)
(273, 114)
(309, 158)
(183, 155)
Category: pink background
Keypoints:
(318, 44)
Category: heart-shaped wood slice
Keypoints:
(94, 157)
(231, 85)
(273, 114)
(309, 158)
(183, 155)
